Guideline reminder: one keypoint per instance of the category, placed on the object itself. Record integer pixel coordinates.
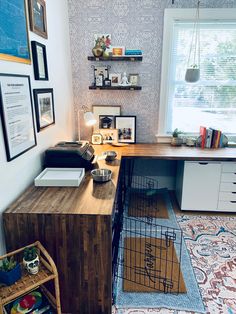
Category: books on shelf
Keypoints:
(211, 138)
(133, 52)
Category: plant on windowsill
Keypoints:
(176, 140)
(10, 271)
(31, 260)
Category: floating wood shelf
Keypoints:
(115, 58)
(115, 87)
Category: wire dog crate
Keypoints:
(148, 254)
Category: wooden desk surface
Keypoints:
(92, 198)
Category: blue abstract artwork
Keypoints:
(14, 44)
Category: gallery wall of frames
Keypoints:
(35, 90)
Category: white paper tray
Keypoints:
(60, 177)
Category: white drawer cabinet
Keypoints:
(227, 193)
(199, 185)
(206, 186)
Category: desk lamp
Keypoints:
(88, 118)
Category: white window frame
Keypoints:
(170, 16)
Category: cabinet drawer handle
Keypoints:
(233, 192)
(234, 202)
(234, 182)
(203, 163)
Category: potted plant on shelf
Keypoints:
(10, 271)
(176, 140)
(31, 260)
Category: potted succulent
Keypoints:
(31, 260)
(176, 140)
(10, 271)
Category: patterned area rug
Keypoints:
(211, 242)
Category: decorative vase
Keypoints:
(10, 277)
(192, 75)
(32, 266)
(97, 51)
(176, 141)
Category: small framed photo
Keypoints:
(37, 17)
(118, 51)
(134, 79)
(44, 108)
(97, 138)
(104, 110)
(115, 79)
(107, 82)
(126, 126)
(99, 80)
(101, 71)
(40, 61)
(106, 122)
(109, 135)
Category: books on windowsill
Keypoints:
(212, 138)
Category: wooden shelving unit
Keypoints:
(114, 58)
(28, 282)
(115, 87)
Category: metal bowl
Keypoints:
(101, 175)
(110, 155)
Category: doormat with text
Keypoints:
(151, 265)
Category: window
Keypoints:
(212, 100)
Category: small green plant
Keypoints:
(176, 132)
(8, 264)
(30, 253)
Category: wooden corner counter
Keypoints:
(75, 224)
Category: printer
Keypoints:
(70, 155)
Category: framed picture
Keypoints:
(109, 135)
(14, 43)
(107, 82)
(40, 61)
(37, 17)
(118, 51)
(103, 110)
(101, 71)
(17, 114)
(99, 80)
(44, 108)
(106, 122)
(97, 138)
(115, 79)
(134, 79)
(126, 126)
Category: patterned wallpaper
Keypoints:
(133, 24)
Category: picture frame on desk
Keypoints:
(44, 108)
(39, 61)
(104, 110)
(109, 136)
(126, 126)
(38, 17)
(16, 111)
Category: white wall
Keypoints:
(17, 175)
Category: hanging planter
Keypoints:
(192, 74)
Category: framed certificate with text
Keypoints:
(16, 114)
(39, 61)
